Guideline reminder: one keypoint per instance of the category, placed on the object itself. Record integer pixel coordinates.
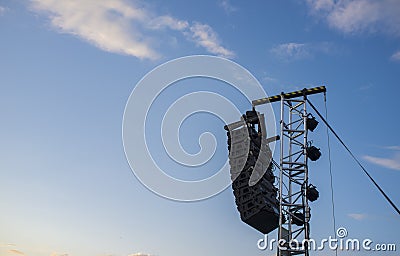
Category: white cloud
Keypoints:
(356, 16)
(269, 79)
(7, 245)
(227, 6)
(291, 51)
(297, 51)
(395, 56)
(120, 26)
(58, 254)
(105, 24)
(321, 5)
(3, 10)
(391, 163)
(139, 254)
(17, 252)
(357, 216)
(393, 147)
(166, 21)
(206, 37)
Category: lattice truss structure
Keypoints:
(260, 203)
(294, 211)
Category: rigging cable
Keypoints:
(358, 162)
(330, 173)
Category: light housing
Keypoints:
(312, 193)
(311, 123)
(313, 153)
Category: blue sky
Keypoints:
(68, 68)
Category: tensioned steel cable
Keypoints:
(355, 158)
(330, 173)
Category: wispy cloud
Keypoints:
(123, 27)
(393, 148)
(298, 51)
(3, 10)
(105, 24)
(291, 51)
(357, 216)
(227, 6)
(13, 251)
(58, 254)
(139, 254)
(395, 56)
(166, 21)
(7, 245)
(366, 87)
(269, 79)
(205, 36)
(391, 163)
(358, 16)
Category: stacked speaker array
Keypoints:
(252, 180)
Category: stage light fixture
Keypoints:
(312, 193)
(313, 153)
(311, 122)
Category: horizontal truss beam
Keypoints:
(289, 95)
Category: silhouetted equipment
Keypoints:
(312, 193)
(261, 205)
(313, 153)
(251, 117)
(289, 95)
(355, 159)
(295, 152)
(311, 122)
(252, 173)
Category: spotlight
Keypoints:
(312, 193)
(313, 153)
(311, 123)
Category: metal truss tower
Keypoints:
(294, 211)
